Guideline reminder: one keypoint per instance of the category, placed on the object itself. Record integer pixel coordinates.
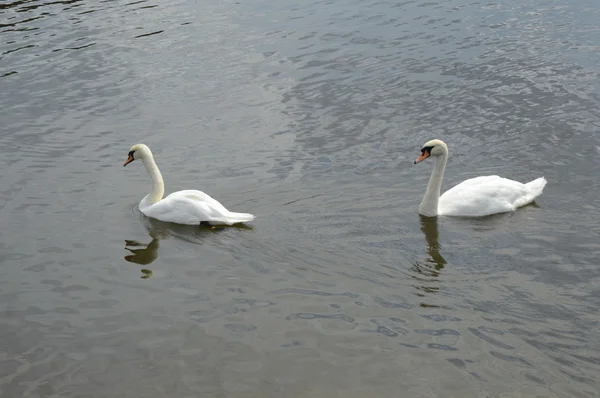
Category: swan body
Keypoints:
(475, 197)
(188, 207)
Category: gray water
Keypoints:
(309, 115)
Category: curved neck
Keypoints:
(158, 186)
(429, 204)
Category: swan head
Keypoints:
(432, 148)
(138, 151)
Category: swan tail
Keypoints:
(536, 187)
(235, 218)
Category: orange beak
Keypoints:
(423, 156)
(129, 160)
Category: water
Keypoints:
(308, 115)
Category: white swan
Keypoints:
(475, 197)
(189, 207)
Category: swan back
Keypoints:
(485, 195)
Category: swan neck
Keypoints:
(158, 186)
(430, 202)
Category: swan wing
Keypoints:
(188, 207)
(481, 196)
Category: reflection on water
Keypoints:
(145, 254)
(301, 113)
(429, 227)
(142, 256)
(429, 269)
(188, 233)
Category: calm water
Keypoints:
(309, 115)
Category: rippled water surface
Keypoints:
(309, 115)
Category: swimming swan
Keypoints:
(189, 207)
(475, 197)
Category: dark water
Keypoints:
(309, 115)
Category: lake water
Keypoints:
(309, 115)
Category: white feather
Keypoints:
(482, 196)
(475, 197)
(189, 207)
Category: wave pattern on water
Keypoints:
(309, 115)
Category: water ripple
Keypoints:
(310, 116)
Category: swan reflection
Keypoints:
(429, 227)
(430, 268)
(143, 254)
(147, 253)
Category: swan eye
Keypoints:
(427, 149)
(130, 158)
